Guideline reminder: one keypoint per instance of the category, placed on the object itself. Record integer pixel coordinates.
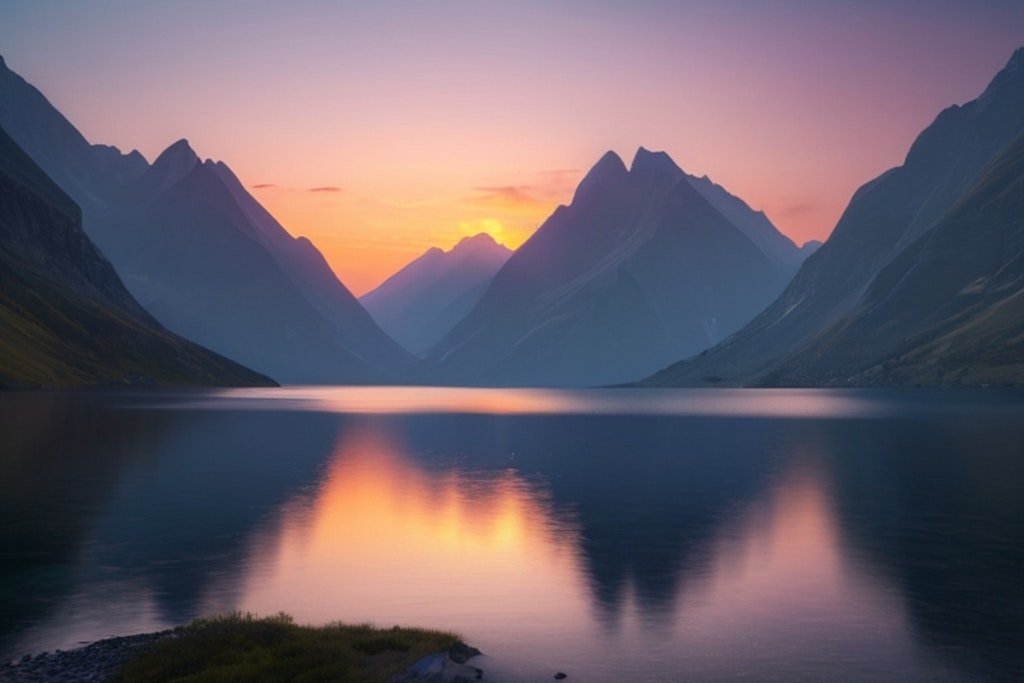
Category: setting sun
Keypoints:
(601, 341)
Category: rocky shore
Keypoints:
(94, 662)
(98, 661)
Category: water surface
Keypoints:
(613, 535)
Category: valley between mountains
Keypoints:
(118, 271)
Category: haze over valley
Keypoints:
(645, 267)
(633, 341)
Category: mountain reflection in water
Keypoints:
(641, 535)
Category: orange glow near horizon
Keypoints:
(398, 131)
(365, 241)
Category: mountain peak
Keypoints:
(609, 169)
(648, 162)
(179, 155)
(609, 161)
(1010, 78)
(1014, 65)
(480, 247)
(1016, 59)
(479, 240)
(182, 144)
(173, 164)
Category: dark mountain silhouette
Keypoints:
(642, 266)
(65, 316)
(921, 280)
(203, 256)
(423, 301)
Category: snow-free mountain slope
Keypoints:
(639, 268)
(197, 260)
(754, 224)
(66, 318)
(309, 271)
(868, 249)
(201, 254)
(423, 301)
(86, 172)
(949, 309)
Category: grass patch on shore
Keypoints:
(242, 647)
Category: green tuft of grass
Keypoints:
(240, 648)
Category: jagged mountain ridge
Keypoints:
(273, 288)
(288, 317)
(638, 268)
(806, 337)
(67, 319)
(88, 173)
(424, 300)
(753, 224)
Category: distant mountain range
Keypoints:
(922, 280)
(203, 256)
(66, 318)
(646, 265)
(423, 301)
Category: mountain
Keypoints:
(200, 253)
(920, 280)
(423, 301)
(209, 262)
(66, 318)
(86, 172)
(642, 267)
(948, 309)
(753, 224)
(808, 248)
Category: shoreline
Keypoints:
(98, 661)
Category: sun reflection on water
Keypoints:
(776, 403)
(683, 545)
(386, 540)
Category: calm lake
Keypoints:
(609, 534)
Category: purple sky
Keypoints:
(421, 122)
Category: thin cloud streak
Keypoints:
(507, 196)
(796, 210)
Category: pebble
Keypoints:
(94, 662)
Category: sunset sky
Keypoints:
(379, 129)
